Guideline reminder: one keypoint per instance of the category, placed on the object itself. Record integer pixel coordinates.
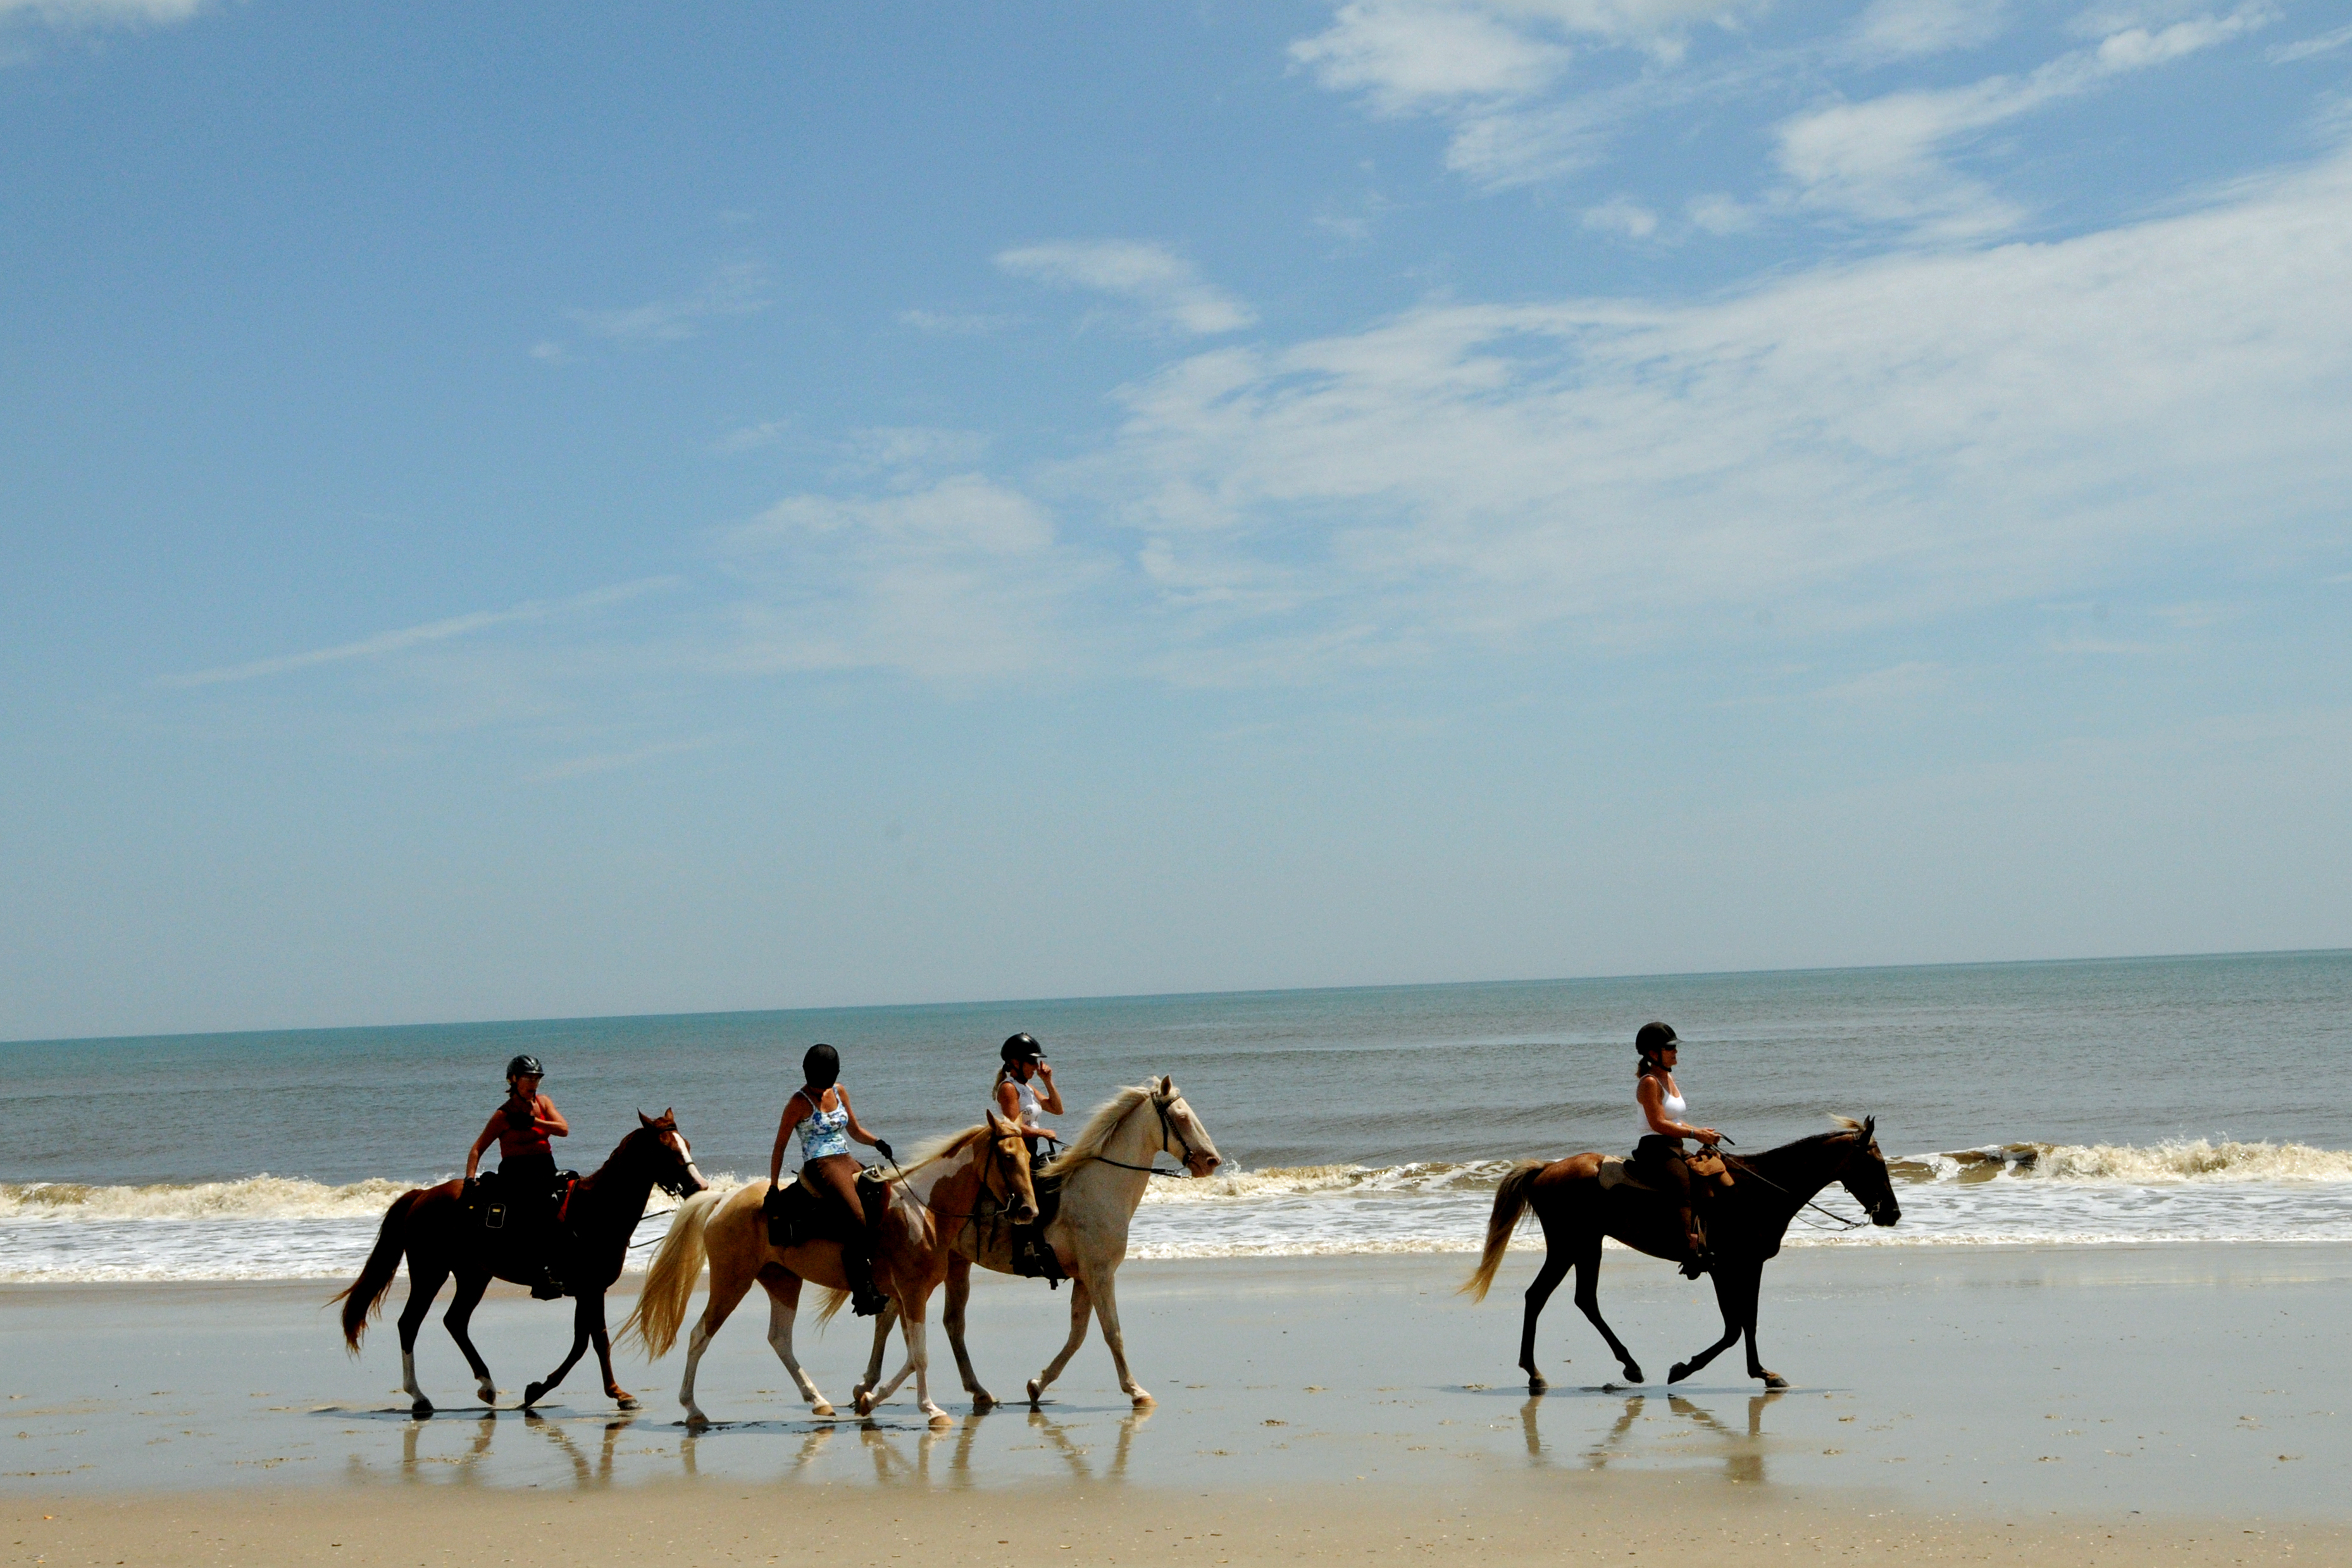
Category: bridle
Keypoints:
(1748, 1168)
(1167, 1129)
(1001, 1160)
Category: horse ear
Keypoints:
(644, 1121)
(1166, 1084)
(1869, 1126)
(997, 1125)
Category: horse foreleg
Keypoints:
(883, 1319)
(1546, 1280)
(1106, 1313)
(424, 1284)
(729, 1281)
(461, 1314)
(1727, 1295)
(958, 1293)
(602, 1339)
(1587, 1302)
(1746, 1287)
(919, 1356)
(783, 1308)
(581, 1323)
(1082, 1306)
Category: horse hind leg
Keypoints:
(1082, 1303)
(587, 1315)
(884, 1320)
(424, 1281)
(1587, 1302)
(1546, 1280)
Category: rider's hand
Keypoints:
(882, 1147)
(1706, 1135)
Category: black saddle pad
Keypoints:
(798, 1214)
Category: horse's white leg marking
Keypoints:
(408, 1382)
(1082, 1303)
(695, 1344)
(1107, 1308)
(919, 1356)
(780, 1339)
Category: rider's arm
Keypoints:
(1652, 1095)
(1008, 1099)
(548, 1120)
(490, 1136)
(1051, 1100)
(791, 1119)
(856, 1128)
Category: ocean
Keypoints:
(2142, 1100)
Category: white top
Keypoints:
(1032, 1113)
(1672, 1107)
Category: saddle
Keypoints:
(487, 1199)
(797, 1214)
(1617, 1171)
(1032, 1258)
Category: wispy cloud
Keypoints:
(615, 762)
(739, 289)
(392, 642)
(1884, 159)
(1168, 289)
(1910, 29)
(2305, 49)
(103, 13)
(957, 323)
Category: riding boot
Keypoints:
(859, 1264)
(1698, 1262)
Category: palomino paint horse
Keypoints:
(929, 1201)
(1744, 1226)
(431, 1227)
(1104, 1173)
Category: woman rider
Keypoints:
(1658, 1157)
(820, 1109)
(1018, 1099)
(521, 1128)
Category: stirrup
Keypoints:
(547, 1289)
(868, 1302)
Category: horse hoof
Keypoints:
(983, 1400)
(941, 1419)
(1633, 1373)
(531, 1394)
(1774, 1380)
(626, 1401)
(866, 1403)
(1143, 1399)
(422, 1408)
(821, 1408)
(1037, 1388)
(696, 1420)
(488, 1392)
(1682, 1370)
(1537, 1386)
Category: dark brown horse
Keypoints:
(439, 1237)
(1744, 1226)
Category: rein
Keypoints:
(1747, 1167)
(899, 1179)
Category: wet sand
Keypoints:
(1962, 1401)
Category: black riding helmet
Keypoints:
(524, 1067)
(820, 1066)
(1653, 1039)
(1021, 1047)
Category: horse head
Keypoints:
(1864, 1176)
(665, 1150)
(1005, 1172)
(1181, 1132)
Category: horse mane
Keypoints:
(1088, 1145)
(1846, 1124)
(954, 1143)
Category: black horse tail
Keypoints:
(363, 1298)
(1510, 1202)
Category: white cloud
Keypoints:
(739, 289)
(1402, 54)
(1719, 213)
(1908, 29)
(103, 13)
(1167, 287)
(384, 643)
(900, 446)
(965, 323)
(1621, 215)
(1922, 435)
(958, 581)
(2305, 49)
(1883, 159)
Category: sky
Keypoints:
(550, 512)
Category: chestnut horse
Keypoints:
(440, 1238)
(930, 1201)
(1744, 1226)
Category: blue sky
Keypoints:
(558, 511)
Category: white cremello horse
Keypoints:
(1104, 1173)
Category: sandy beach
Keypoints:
(1980, 1403)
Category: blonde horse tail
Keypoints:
(1510, 1202)
(362, 1299)
(835, 1301)
(669, 1283)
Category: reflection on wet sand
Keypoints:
(1742, 1452)
(581, 1473)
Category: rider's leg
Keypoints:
(837, 1174)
